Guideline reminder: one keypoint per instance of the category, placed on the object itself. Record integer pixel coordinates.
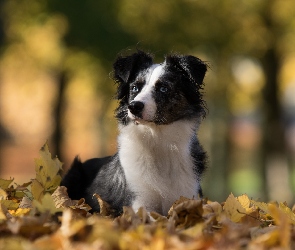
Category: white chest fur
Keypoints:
(157, 163)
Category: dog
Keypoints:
(159, 156)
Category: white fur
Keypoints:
(145, 95)
(157, 163)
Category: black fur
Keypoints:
(103, 176)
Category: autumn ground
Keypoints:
(40, 215)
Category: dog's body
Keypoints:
(159, 157)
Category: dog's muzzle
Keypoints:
(136, 108)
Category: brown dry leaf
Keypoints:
(62, 199)
(212, 207)
(158, 217)
(51, 242)
(32, 227)
(177, 202)
(25, 203)
(105, 208)
(187, 213)
(233, 209)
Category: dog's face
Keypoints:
(159, 93)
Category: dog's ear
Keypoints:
(126, 69)
(194, 67)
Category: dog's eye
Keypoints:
(163, 89)
(134, 89)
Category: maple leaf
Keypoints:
(48, 173)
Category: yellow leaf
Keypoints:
(3, 194)
(233, 209)
(3, 211)
(261, 205)
(10, 204)
(269, 239)
(286, 210)
(46, 204)
(48, 170)
(20, 211)
(4, 184)
(37, 190)
(284, 227)
(245, 202)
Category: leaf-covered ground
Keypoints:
(40, 215)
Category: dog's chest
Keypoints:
(158, 166)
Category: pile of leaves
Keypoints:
(40, 215)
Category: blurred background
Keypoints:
(55, 63)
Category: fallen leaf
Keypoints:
(261, 205)
(4, 184)
(37, 190)
(25, 203)
(20, 211)
(3, 212)
(187, 213)
(105, 208)
(286, 210)
(233, 209)
(46, 204)
(48, 170)
(283, 221)
(3, 194)
(10, 204)
(62, 199)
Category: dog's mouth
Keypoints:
(137, 119)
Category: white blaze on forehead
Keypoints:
(156, 72)
(146, 94)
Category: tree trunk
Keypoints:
(57, 136)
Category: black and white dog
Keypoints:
(159, 156)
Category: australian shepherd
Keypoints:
(159, 156)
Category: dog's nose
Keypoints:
(136, 107)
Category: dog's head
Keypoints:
(159, 93)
